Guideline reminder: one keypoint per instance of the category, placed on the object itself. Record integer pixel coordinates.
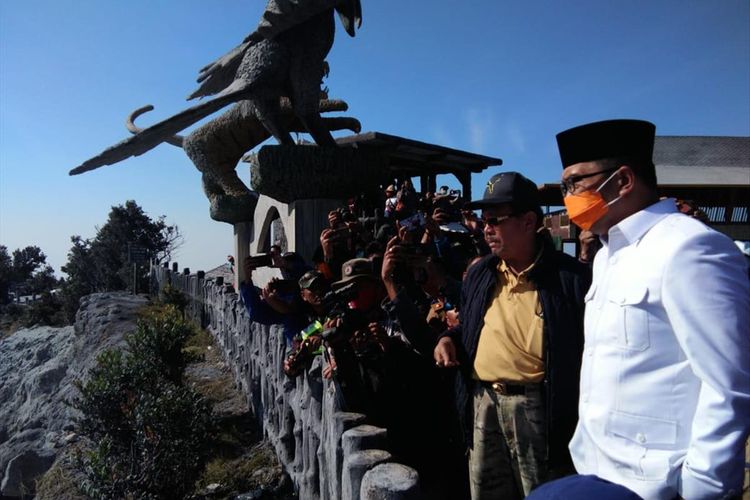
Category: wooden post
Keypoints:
(465, 179)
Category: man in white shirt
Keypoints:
(664, 405)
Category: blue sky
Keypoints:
(496, 77)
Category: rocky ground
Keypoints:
(243, 466)
(38, 442)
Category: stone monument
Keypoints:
(273, 78)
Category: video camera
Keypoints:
(337, 342)
(336, 301)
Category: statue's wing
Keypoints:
(279, 16)
(218, 75)
(154, 135)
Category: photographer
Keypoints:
(452, 241)
(277, 303)
(421, 394)
(291, 265)
(337, 242)
(307, 343)
(390, 201)
(354, 337)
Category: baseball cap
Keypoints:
(508, 187)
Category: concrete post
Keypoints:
(390, 482)
(243, 236)
(356, 466)
(308, 218)
(364, 437)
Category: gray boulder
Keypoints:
(37, 369)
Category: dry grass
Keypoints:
(59, 482)
(239, 463)
(257, 468)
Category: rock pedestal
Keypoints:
(290, 173)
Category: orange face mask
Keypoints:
(586, 208)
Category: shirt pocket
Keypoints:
(645, 443)
(629, 307)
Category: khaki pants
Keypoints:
(508, 457)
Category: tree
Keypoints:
(26, 273)
(129, 225)
(26, 261)
(6, 270)
(81, 276)
(102, 263)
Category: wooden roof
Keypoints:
(420, 158)
(712, 171)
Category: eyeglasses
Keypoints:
(496, 221)
(568, 186)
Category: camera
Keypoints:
(454, 227)
(413, 223)
(260, 260)
(284, 286)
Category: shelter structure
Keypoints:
(300, 222)
(712, 172)
(408, 158)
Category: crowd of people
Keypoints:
(491, 358)
(383, 285)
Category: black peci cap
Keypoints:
(508, 187)
(607, 139)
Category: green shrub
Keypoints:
(165, 450)
(174, 297)
(158, 341)
(151, 433)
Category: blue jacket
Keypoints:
(562, 283)
(259, 311)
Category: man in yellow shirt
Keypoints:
(518, 347)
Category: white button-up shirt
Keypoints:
(665, 382)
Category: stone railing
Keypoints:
(328, 453)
